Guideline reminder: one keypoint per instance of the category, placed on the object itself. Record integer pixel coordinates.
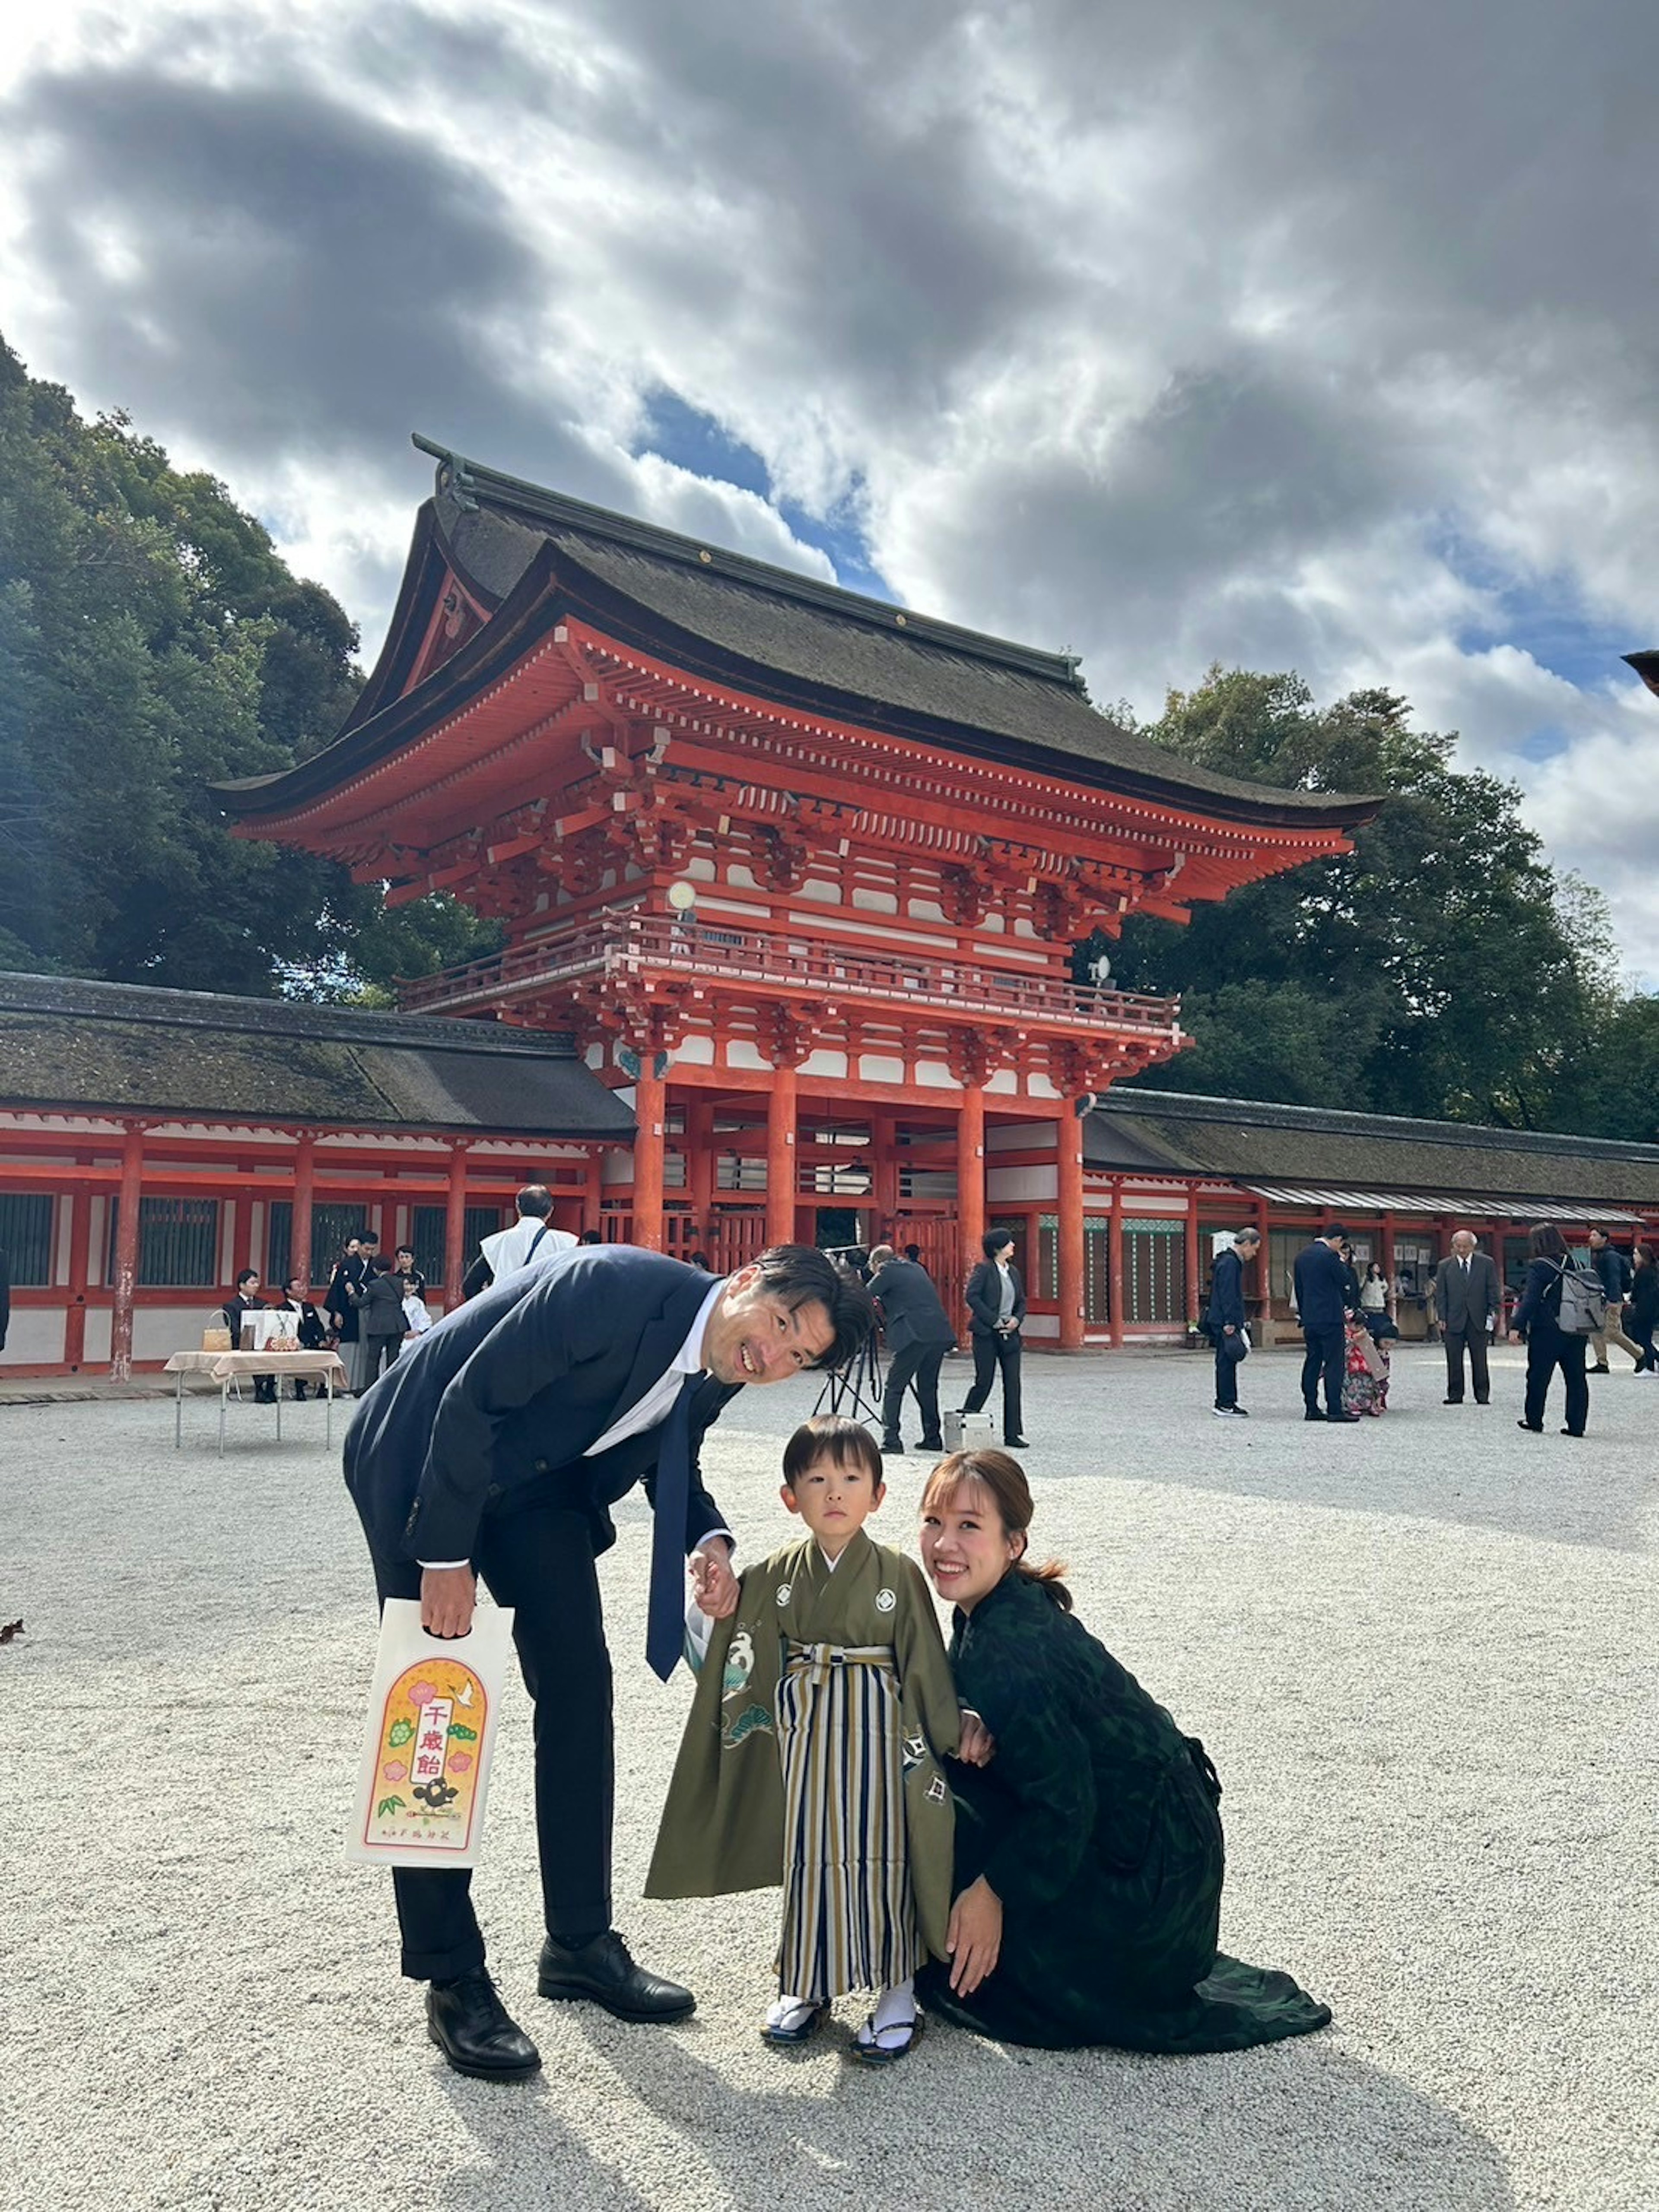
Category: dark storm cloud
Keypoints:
(298, 281)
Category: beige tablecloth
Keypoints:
(223, 1366)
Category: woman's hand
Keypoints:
(974, 1938)
(975, 1745)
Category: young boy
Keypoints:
(811, 1754)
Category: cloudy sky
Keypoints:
(1319, 334)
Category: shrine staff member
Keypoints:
(496, 1446)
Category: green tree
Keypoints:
(1441, 969)
(152, 641)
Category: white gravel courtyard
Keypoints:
(1421, 1652)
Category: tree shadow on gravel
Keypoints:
(1297, 2127)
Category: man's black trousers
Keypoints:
(1226, 1376)
(917, 1364)
(1475, 1338)
(991, 1352)
(539, 1561)
(1327, 1355)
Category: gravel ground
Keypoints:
(1418, 1650)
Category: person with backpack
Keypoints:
(1560, 1308)
(1615, 1270)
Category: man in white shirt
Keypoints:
(496, 1445)
(532, 1242)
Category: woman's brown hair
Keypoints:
(1003, 1481)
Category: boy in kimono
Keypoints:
(811, 1756)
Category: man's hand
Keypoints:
(976, 1746)
(974, 1938)
(1229, 1330)
(713, 1580)
(449, 1596)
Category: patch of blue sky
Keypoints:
(684, 436)
(1542, 743)
(1544, 617)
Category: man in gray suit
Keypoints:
(1466, 1305)
(919, 1334)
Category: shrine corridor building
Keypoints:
(801, 871)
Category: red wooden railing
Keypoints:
(777, 964)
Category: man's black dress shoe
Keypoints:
(471, 2025)
(1313, 1414)
(1017, 1443)
(891, 1446)
(1343, 1417)
(603, 1971)
(930, 1443)
(1451, 1402)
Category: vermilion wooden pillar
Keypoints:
(1114, 1261)
(455, 1226)
(127, 1254)
(648, 1107)
(884, 1181)
(700, 1165)
(304, 1169)
(1194, 1259)
(1068, 1145)
(780, 1193)
(74, 1321)
(970, 1170)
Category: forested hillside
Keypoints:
(150, 639)
(1442, 968)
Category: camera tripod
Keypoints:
(855, 1388)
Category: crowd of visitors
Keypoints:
(1572, 1302)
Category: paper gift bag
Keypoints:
(431, 1728)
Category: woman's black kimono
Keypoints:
(1095, 1824)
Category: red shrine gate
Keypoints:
(801, 871)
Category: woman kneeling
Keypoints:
(1089, 1852)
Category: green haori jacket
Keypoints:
(722, 1825)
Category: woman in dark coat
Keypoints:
(1089, 1851)
(1642, 1310)
(996, 1302)
(1537, 1317)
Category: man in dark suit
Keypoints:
(996, 1304)
(1466, 1305)
(1321, 1291)
(1226, 1319)
(5, 1296)
(496, 1446)
(919, 1334)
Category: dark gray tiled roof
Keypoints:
(125, 1047)
(1245, 1140)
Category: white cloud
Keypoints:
(1285, 335)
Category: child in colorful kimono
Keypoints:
(811, 1755)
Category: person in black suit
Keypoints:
(5, 1296)
(1537, 1317)
(919, 1334)
(349, 1269)
(244, 1299)
(1226, 1318)
(1466, 1301)
(996, 1304)
(496, 1445)
(1322, 1304)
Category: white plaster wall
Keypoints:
(934, 1075)
(1042, 1325)
(1032, 1183)
(1004, 1083)
(876, 1068)
(1039, 1086)
(1020, 1136)
(34, 1337)
(824, 1063)
(695, 1052)
(97, 1319)
(616, 1167)
(739, 1053)
(160, 1331)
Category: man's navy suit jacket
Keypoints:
(1321, 1288)
(910, 1310)
(501, 1399)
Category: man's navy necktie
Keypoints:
(664, 1621)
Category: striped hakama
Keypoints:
(849, 1920)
